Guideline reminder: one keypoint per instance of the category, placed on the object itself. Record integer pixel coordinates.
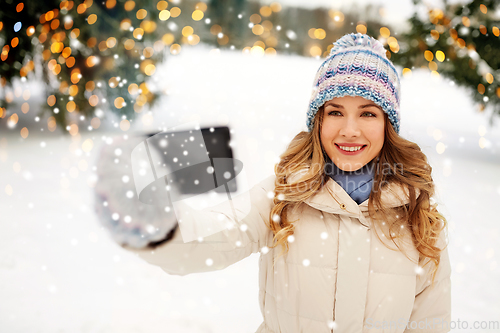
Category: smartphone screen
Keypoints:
(198, 163)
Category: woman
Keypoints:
(349, 239)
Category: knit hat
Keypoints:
(357, 66)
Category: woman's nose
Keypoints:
(350, 128)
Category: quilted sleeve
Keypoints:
(247, 233)
(432, 307)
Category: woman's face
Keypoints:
(352, 132)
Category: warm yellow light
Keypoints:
(148, 26)
(57, 47)
(119, 102)
(215, 29)
(406, 72)
(66, 52)
(201, 6)
(125, 24)
(25, 108)
(433, 66)
(73, 90)
(168, 39)
(129, 5)
(138, 33)
(51, 100)
(92, 19)
(93, 100)
(276, 7)
(111, 42)
(148, 52)
(258, 29)
(271, 41)
(320, 33)
(440, 56)
(73, 129)
(68, 24)
(266, 11)
(489, 78)
(57, 69)
(466, 21)
(50, 15)
(187, 31)
(270, 51)
(257, 51)
(90, 86)
(75, 33)
(162, 5)
(175, 11)
(129, 44)
(255, 18)
(315, 51)
(113, 82)
(141, 14)
(259, 43)
(435, 34)
(110, 4)
(150, 69)
(197, 15)
(361, 28)
(24, 133)
(193, 39)
(481, 89)
(133, 89)
(164, 15)
(428, 55)
(70, 106)
(92, 61)
(141, 100)
(175, 49)
(336, 16)
(385, 32)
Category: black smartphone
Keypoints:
(200, 160)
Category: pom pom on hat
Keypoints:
(353, 40)
(357, 66)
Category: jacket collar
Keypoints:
(332, 198)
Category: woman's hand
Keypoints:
(132, 220)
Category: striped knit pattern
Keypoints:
(357, 66)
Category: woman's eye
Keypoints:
(334, 113)
(369, 114)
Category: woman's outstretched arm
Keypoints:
(247, 233)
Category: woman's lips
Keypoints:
(345, 152)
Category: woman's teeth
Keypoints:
(351, 148)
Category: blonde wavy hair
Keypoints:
(408, 167)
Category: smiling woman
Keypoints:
(349, 207)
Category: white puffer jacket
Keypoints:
(337, 276)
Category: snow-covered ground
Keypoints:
(61, 272)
